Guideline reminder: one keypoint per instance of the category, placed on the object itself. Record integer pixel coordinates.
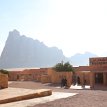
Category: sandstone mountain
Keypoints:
(24, 52)
(21, 51)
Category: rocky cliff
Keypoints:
(21, 51)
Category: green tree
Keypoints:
(63, 67)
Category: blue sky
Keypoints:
(75, 26)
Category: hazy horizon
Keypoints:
(75, 26)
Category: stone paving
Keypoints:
(34, 101)
(80, 87)
(14, 91)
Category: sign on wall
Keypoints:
(98, 61)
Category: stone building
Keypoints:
(94, 74)
(98, 68)
(44, 75)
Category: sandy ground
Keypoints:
(84, 98)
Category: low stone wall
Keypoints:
(3, 80)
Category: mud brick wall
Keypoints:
(3, 80)
(45, 79)
(57, 76)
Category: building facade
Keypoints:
(94, 74)
(98, 68)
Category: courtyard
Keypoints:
(61, 97)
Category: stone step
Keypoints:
(17, 94)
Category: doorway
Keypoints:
(99, 78)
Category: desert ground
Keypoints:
(85, 97)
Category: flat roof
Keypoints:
(19, 69)
(97, 57)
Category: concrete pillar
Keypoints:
(104, 78)
(92, 79)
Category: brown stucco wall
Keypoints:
(57, 76)
(45, 79)
(27, 74)
(13, 75)
(50, 76)
(84, 75)
(3, 80)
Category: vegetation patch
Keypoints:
(4, 71)
(63, 67)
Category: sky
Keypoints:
(75, 26)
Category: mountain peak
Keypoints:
(14, 32)
(21, 51)
(82, 59)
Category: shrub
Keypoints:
(4, 71)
